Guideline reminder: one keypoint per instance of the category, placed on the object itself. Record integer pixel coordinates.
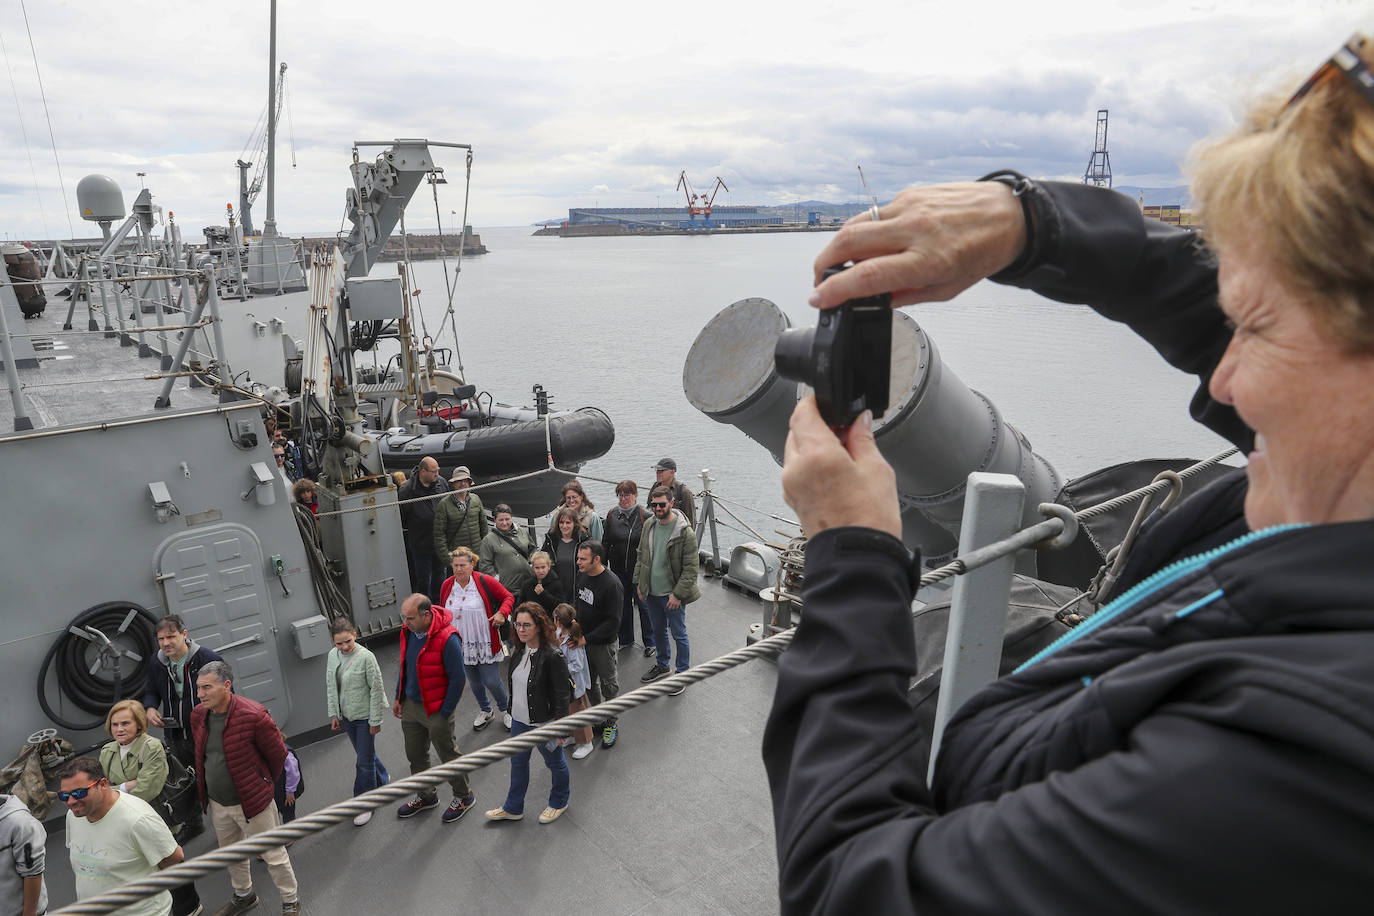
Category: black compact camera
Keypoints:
(846, 358)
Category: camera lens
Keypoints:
(792, 354)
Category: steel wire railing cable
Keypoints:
(24, 133)
(43, 94)
(778, 518)
(1040, 534)
(449, 317)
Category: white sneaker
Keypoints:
(506, 720)
(362, 818)
(583, 751)
(483, 719)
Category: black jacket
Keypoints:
(159, 694)
(580, 536)
(417, 519)
(621, 537)
(553, 595)
(1203, 744)
(549, 688)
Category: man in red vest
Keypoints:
(429, 688)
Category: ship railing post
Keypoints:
(143, 349)
(163, 349)
(978, 610)
(91, 323)
(708, 516)
(164, 397)
(76, 294)
(21, 419)
(226, 376)
(105, 307)
(125, 338)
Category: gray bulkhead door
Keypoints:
(213, 578)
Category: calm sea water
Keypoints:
(608, 322)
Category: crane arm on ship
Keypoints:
(249, 190)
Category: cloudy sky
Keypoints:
(575, 104)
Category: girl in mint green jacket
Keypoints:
(356, 701)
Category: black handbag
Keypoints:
(178, 803)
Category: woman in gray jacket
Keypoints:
(356, 700)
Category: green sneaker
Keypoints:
(608, 736)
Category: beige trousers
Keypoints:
(231, 826)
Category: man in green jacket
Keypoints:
(460, 520)
(666, 579)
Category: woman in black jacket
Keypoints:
(539, 692)
(564, 536)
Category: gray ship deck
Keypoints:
(674, 819)
(84, 377)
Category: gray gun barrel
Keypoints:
(936, 430)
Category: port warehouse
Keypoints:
(723, 217)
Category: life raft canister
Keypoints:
(22, 268)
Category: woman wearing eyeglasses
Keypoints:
(1204, 743)
(539, 690)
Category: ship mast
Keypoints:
(269, 226)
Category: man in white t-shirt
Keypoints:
(113, 838)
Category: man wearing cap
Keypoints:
(666, 472)
(460, 520)
(417, 520)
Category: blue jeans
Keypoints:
(369, 772)
(487, 677)
(627, 614)
(664, 620)
(520, 774)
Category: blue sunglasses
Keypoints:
(77, 794)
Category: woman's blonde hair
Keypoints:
(463, 552)
(1300, 179)
(135, 709)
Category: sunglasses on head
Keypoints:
(1346, 61)
(77, 794)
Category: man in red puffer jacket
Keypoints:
(239, 754)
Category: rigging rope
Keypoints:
(24, 132)
(66, 207)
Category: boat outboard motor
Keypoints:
(934, 431)
(22, 268)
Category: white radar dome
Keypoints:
(99, 199)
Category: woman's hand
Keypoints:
(930, 244)
(374, 729)
(831, 483)
(334, 724)
(497, 619)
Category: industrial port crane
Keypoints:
(699, 204)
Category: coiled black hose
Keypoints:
(74, 679)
